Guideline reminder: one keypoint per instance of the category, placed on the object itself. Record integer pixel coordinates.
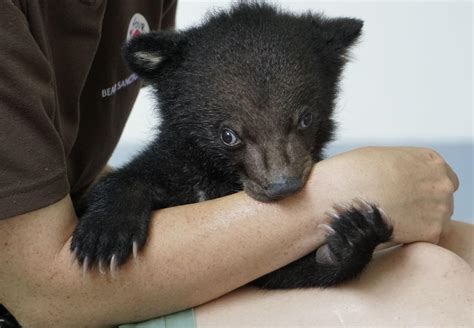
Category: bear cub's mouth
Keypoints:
(276, 190)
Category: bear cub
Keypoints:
(246, 102)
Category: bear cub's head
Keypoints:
(252, 89)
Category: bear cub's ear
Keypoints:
(147, 54)
(339, 34)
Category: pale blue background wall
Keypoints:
(409, 83)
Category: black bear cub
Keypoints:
(246, 101)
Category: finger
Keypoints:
(453, 177)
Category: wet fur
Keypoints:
(257, 69)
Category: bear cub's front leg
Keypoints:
(114, 221)
(352, 237)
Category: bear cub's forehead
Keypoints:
(256, 61)
(252, 34)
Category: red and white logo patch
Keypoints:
(137, 26)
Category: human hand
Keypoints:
(414, 186)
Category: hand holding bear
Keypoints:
(414, 186)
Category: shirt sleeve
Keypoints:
(32, 160)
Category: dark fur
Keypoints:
(6, 319)
(256, 70)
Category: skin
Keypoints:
(420, 284)
(459, 239)
(178, 267)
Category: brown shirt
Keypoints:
(65, 92)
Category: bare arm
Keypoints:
(201, 251)
(194, 254)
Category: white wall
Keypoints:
(410, 78)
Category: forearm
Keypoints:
(194, 253)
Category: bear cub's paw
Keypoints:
(106, 238)
(353, 234)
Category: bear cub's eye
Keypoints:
(305, 121)
(230, 138)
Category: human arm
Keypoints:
(183, 264)
(419, 283)
(414, 186)
(198, 252)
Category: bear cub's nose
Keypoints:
(283, 187)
